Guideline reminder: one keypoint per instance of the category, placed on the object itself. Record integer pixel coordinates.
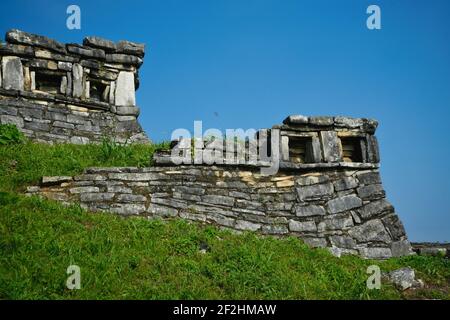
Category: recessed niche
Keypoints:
(48, 82)
(98, 91)
(300, 150)
(351, 149)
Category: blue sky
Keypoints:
(248, 64)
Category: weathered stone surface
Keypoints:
(311, 210)
(343, 204)
(336, 222)
(308, 180)
(93, 197)
(86, 51)
(372, 149)
(17, 36)
(375, 253)
(125, 91)
(297, 226)
(84, 189)
(77, 80)
(345, 184)
(8, 49)
(7, 119)
(246, 225)
(321, 121)
(133, 111)
(394, 226)
(371, 192)
(12, 73)
(296, 119)
(219, 200)
(343, 242)
(317, 191)
(331, 148)
(131, 198)
(375, 208)
(274, 229)
(55, 180)
(401, 248)
(100, 43)
(315, 242)
(127, 208)
(339, 252)
(162, 211)
(348, 122)
(128, 47)
(370, 177)
(404, 278)
(123, 58)
(372, 230)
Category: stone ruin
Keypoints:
(327, 191)
(73, 93)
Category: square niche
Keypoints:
(300, 150)
(352, 149)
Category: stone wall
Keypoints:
(74, 93)
(344, 209)
(327, 191)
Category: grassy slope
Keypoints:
(136, 258)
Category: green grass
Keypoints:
(135, 258)
(24, 164)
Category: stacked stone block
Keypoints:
(74, 93)
(335, 203)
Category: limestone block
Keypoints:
(345, 184)
(336, 222)
(63, 87)
(112, 89)
(316, 150)
(18, 121)
(372, 230)
(132, 48)
(33, 80)
(344, 203)
(246, 225)
(315, 192)
(375, 208)
(311, 210)
(372, 149)
(95, 197)
(370, 192)
(371, 177)
(375, 253)
(12, 73)
(401, 248)
(77, 80)
(331, 146)
(125, 90)
(343, 242)
(97, 42)
(127, 208)
(306, 226)
(284, 148)
(126, 197)
(20, 37)
(321, 121)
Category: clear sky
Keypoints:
(249, 63)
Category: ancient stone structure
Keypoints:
(73, 93)
(327, 190)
